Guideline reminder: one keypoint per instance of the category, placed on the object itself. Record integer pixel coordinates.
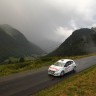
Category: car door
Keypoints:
(67, 67)
(71, 66)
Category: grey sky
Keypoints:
(42, 21)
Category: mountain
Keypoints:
(14, 44)
(81, 42)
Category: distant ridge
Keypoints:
(81, 42)
(14, 44)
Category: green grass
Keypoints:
(6, 69)
(82, 84)
(15, 67)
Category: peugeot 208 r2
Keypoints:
(61, 67)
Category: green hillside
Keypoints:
(14, 44)
(81, 42)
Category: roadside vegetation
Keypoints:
(15, 65)
(82, 84)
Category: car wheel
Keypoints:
(62, 73)
(74, 69)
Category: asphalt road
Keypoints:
(30, 83)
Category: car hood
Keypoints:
(55, 68)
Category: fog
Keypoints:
(48, 23)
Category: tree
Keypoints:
(21, 59)
(9, 62)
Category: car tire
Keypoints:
(62, 73)
(74, 69)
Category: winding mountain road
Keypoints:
(21, 84)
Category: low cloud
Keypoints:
(54, 20)
(63, 32)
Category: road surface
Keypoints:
(32, 82)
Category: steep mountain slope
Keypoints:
(82, 41)
(14, 43)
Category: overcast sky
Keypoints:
(42, 20)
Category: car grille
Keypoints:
(52, 72)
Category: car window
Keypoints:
(59, 64)
(68, 63)
(71, 62)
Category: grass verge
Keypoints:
(82, 84)
(16, 67)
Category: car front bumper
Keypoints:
(54, 73)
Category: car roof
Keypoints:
(64, 60)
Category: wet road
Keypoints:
(36, 81)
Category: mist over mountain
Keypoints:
(48, 45)
(81, 42)
(14, 44)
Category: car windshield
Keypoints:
(59, 64)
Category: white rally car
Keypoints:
(61, 67)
